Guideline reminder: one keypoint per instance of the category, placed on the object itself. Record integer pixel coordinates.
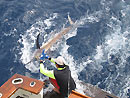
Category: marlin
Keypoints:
(48, 44)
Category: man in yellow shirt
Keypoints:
(60, 78)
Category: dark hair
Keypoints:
(61, 66)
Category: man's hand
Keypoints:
(43, 55)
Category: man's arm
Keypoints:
(52, 60)
(48, 73)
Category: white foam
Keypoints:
(116, 42)
(11, 33)
(125, 89)
(28, 15)
(49, 21)
(28, 41)
(99, 54)
(89, 18)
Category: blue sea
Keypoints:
(97, 48)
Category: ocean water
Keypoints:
(97, 48)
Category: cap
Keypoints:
(60, 60)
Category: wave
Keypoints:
(107, 63)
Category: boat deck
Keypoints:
(8, 88)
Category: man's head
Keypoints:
(60, 62)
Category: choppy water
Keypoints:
(97, 49)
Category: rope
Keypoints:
(68, 83)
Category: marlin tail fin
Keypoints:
(70, 20)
